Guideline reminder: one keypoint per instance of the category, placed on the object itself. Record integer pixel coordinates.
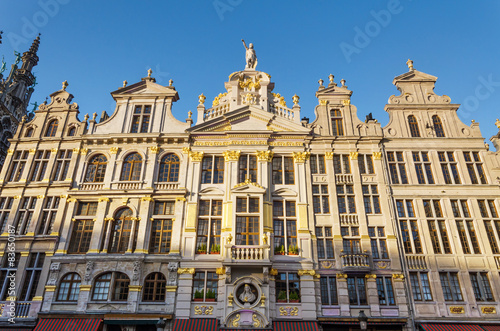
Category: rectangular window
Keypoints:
(285, 227)
(341, 164)
(365, 162)
(451, 286)
(481, 286)
(378, 242)
(356, 287)
(5, 209)
(437, 228)
(161, 228)
(449, 168)
(409, 227)
(247, 221)
(283, 171)
(371, 199)
(49, 213)
(287, 287)
(39, 167)
(247, 168)
(324, 243)
(420, 286)
(491, 223)
(397, 167)
(317, 164)
(17, 166)
(140, 119)
(385, 291)
(475, 168)
(209, 227)
(466, 230)
(345, 199)
(423, 167)
(8, 268)
(82, 227)
(205, 284)
(32, 274)
(337, 125)
(321, 204)
(329, 295)
(25, 215)
(62, 166)
(212, 170)
(350, 240)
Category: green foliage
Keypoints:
(282, 295)
(293, 249)
(279, 249)
(210, 294)
(294, 296)
(202, 248)
(198, 294)
(215, 249)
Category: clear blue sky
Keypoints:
(95, 45)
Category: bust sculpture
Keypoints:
(247, 295)
(250, 56)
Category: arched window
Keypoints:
(131, 169)
(96, 169)
(52, 128)
(337, 126)
(154, 287)
(69, 287)
(72, 131)
(438, 126)
(169, 168)
(29, 132)
(412, 121)
(121, 230)
(117, 282)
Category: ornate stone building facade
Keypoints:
(251, 218)
(15, 94)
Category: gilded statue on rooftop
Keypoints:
(251, 57)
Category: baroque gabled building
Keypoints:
(251, 218)
(15, 94)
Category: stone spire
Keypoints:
(30, 58)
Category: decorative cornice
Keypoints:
(181, 271)
(301, 157)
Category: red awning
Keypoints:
(491, 327)
(450, 327)
(295, 326)
(201, 324)
(68, 324)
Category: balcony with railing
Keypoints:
(23, 312)
(416, 262)
(129, 185)
(91, 186)
(247, 253)
(355, 261)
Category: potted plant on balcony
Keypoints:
(215, 249)
(293, 250)
(279, 250)
(294, 297)
(282, 296)
(198, 295)
(202, 249)
(210, 296)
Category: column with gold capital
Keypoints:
(193, 180)
(304, 237)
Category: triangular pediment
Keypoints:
(249, 119)
(248, 187)
(146, 87)
(212, 191)
(415, 76)
(334, 89)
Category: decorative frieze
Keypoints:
(203, 310)
(457, 310)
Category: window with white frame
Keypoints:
(451, 286)
(324, 242)
(247, 221)
(39, 167)
(111, 286)
(287, 287)
(409, 227)
(212, 169)
(161, 227)
(329, 295)
(449, 168)
(283, 170)
(285, 227)
(247, 168)
(321, 199)
(437, 227)
(140, 119)
(475, 167)
(49, 213)
(378, 242)
(209, 227)
(371, 199)
(69, 287)
(205, 284)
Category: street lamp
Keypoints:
(160, 325)
(362, 318)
